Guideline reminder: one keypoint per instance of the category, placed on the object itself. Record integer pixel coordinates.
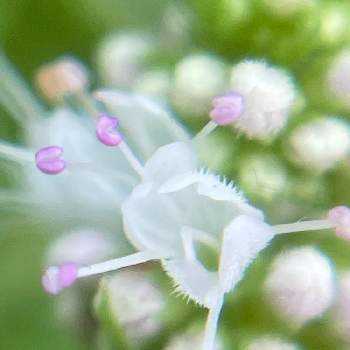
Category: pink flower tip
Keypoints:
(106, 131)
(57, 278)
(49, 160)
(340, 218)
(227, 108)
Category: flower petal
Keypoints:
(243, 239)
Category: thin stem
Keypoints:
(312, 225)
(15, 153)
(212, 325)
(119, 263)
(131, 158)
(88, 104)
(207, 129)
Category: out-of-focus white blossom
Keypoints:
(92, 246)
(271, 343)
(334, 21)
(289, 7)
(189, 340)
(154, 83)
(263, 176)
(320, 144)
(301, 284)
(268, 95)
(198, 78)
(63, 76)
(121, 57)
(134, 302)
(341, 312)
(338, 77)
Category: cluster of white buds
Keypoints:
(62, 77)
(121, 57)
(338, 77)
(320, 144)
(301, 284)
(198, 78)
(134, 302)
(271, 343)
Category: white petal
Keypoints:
(144, 123)
(193, 280)
(171, 160)
(243, 239)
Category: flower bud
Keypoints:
(61, 77)
(198, 79)
(121, 57)
(300, 285)
(134, 302)
(271, 343)
(320, 144)
(268, 95)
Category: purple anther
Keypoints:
(49, 161)
(57, 278)
(227, 108)
(340, 218)
(106, 131)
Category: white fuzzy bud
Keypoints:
(263, 176)
(341, 312)
(121, 57)
(63, 76)
(286, 8)
(271, 343)
(338, 77)
(198, 79)
(84, 246)
(301, 284)
(189, 340)
(268, 95)
(154, 84)
(320, 144)
(135, 303)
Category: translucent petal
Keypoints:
(243, 239)
(144, 123)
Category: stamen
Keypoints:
(340, 217)
(312, 225)
(119, 263)
(226, 109)
(57, 278)
(212, 325)
(106, 132)
(49, 160)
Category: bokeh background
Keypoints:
(301, 36)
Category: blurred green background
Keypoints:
(305, 41)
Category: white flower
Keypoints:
(301, 284)
(338, 77)
(271, 343)
(198, 78)
(121, 57)
(320, 144)
(268, 94)
(134, 302)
